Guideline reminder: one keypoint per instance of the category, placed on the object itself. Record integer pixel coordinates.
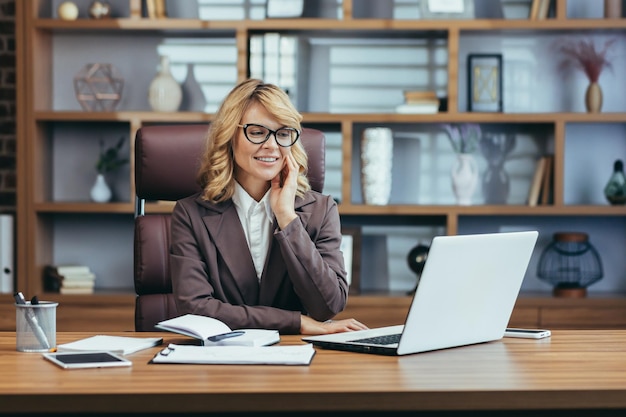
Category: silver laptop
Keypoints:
(465, 295)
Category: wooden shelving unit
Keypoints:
(38, 211)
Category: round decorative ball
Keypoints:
(68, 11)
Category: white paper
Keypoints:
(6, 254)
(121, 345)
(237, 355)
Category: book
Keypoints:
(68, 269)
(546, 183)
(78, 290)
(121, 345)
(203, 328)
(236, 355)
(77, 284)
(535, 185)
(420, 96)
(6, 253)
(416, 108)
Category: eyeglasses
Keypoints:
(258, 134)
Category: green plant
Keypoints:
(110, 158)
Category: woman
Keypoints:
(257, 248)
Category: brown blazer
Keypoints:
(213, 273)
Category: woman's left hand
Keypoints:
(283, 196)
(310, 326)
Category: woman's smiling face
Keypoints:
(257, 164)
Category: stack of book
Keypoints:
(69, 279)
(419, 102)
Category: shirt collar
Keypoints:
(242, 199)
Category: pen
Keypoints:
(223, 336)
(31, 318)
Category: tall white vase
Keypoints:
(165, 94)
(464, 178)
(101, 192)
(376, 160)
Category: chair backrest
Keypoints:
(166, 162)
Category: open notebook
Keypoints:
(466, 295)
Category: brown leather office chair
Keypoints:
(166, 161)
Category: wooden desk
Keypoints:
(584, 371)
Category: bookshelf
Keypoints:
(58, 223)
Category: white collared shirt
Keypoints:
(256, 219)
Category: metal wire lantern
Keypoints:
(570, 263)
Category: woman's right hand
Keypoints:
(313, 327)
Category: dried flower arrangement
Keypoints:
(463, 137)
(110, 158)
(582, 54)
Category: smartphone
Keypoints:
(527, 333)
(75, 360)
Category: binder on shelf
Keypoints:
(6, 254)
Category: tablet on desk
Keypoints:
(76, 360)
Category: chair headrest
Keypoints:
(167, 158)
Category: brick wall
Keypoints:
(7, 106)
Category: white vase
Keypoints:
(464, 178)
(193, 96)
(376, 160)
(101, 192)
(165, 94)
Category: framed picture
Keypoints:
(447, 9)
(351, 248)
(484, 84)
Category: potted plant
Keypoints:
(583, 54)
(109, 161)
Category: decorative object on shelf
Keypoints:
(99, 10)
(484, 83)
(570, 263)
(376, 160)
(284, 8)
(193, 96)
(582, 54)
(613, 9)
(496, 183)
(67, 10)
(416, 259)
(98, 87)
(351, 249)
(615, 190)
(108, 162)
(464, 174)
(450, 9)
(165, 94)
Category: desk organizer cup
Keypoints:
(36, 326)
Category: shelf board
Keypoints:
(142, 116)
(300, 24)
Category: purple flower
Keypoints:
(463, 137)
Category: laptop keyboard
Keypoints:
(380, 340)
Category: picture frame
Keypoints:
(484, 82)
(447, 9)
(351, 248)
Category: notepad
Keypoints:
(121, 345)
(236, 355)
(204, 328)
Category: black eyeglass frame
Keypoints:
(270, 132)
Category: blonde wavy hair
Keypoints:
(216, 173)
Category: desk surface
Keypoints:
(582, 370)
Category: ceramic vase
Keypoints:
(376, 160)
(100, 191)
(165, 94)
(464, 178)
(593, 98)
(193, 96)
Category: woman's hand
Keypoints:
(310, 326)
(283, 192)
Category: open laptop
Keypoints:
(465, 295)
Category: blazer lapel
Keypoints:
(226, 232)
